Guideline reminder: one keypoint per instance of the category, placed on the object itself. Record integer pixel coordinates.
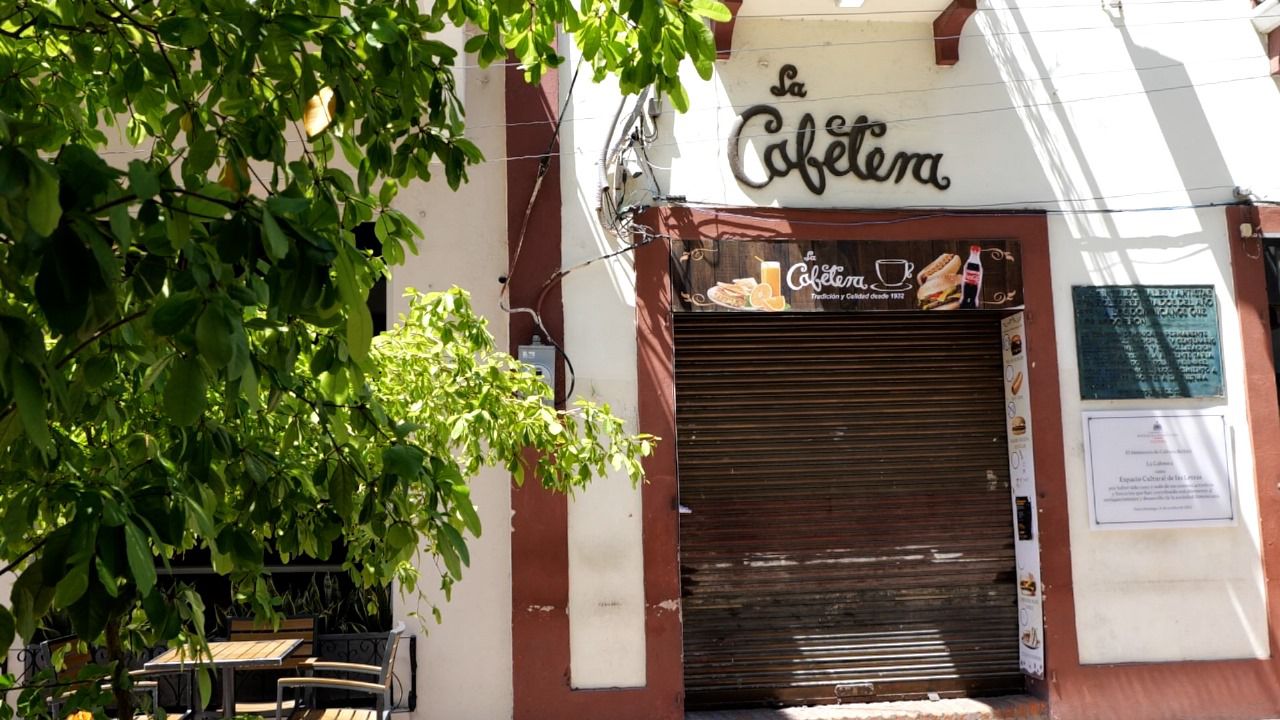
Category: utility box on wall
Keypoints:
(542, 358)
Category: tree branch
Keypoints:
(102, 331)
(28, 553)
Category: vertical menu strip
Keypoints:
(1022, 484)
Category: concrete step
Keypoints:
(1013, 707)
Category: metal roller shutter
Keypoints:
(850, 536)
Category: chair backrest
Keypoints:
(291, 628)
(76, 657)
(389, 658)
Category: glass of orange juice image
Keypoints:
(771, 275)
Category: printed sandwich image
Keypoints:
(940, 283)
(747, 294)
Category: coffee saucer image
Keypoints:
(902, 287)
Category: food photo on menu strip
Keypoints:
(947, 285)
(749, 293)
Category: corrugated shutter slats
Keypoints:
(850, 535)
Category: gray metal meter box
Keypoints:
(542, 358)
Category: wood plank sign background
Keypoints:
(711, 275)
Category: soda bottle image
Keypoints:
(971, 292)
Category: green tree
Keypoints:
(185, 347)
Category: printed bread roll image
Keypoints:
(944, 264)
(1017, 383)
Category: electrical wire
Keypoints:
(927, 213)
(931, 37)
(535, 312)
(810, 99)
(916, 118)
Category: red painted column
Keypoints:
(542, 685)
(539, 526)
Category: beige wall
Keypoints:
(464, 663)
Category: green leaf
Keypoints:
(403, 460)
(277, 244)
(399, 536)
(710, 9)
(342, 490)
(31, 404)
(141, 561)
(173, 314)
(214, 334)
(459, 546)
(185, 31)
(8, 628)
(679, 97)
(204, 679)
(359, 332)
(203, 151)
(17, 517)
(72, 585)
(122, 226)
(105, 578)
(66, 278)
(384, 228)
(43, 209)
(99, 370)
(184, 392)
(466, 511)
(385, 31)
(142, 181)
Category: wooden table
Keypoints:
(228, 656)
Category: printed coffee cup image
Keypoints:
(894, 273)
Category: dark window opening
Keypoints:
(367, 240)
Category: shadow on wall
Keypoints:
(1169, 129)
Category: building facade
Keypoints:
(855, 497)
(955, 321)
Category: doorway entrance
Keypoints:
(845, 531)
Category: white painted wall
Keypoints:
(464, 663)
(606, 570)
(1057, 106)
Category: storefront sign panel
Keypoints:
(713, 275)
(1143, 341)
(1158, 469)
(1022, 484)
(834, 148)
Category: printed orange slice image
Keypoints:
(761, 294)
(776, 303)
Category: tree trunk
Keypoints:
(120, 680)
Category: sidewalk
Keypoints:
(1014, 707)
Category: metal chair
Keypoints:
(379, 689)
(75, 658)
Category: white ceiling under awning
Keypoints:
(886, 10)
(1266, 17)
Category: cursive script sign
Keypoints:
(785, 85)
(851, 150)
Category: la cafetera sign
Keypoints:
(853, 148)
